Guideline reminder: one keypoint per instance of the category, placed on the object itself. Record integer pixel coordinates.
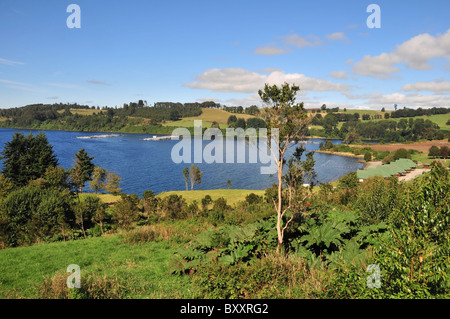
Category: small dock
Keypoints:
(159, 138)
(98, 136)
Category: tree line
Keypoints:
(384, 130)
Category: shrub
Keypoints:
(367, 156)
(220, 205)
(93, 286)
(216, 217)
(32, 214)
(206, 201)
(126, 211)
(401, 153)
(377, 198)
(252, 198)
(271, 277)
(414, 259)
(173, 207)
(389, 158)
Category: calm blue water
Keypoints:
(147, 165)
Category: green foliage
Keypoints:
(401, 153)
(195, 175)
(335, 239)
(150, 201)
(227, 245)
(348, 181)
(377, 198)
(98, 179)
(126, 211)
(415, 258)
(270, 277)
(33, 214)
(112, 183)
(83, 169)
(367, 156)
(26, 158)
(173, 207)
(252, 198)
(88, 210)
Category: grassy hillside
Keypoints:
(107, 261)
(208, 117)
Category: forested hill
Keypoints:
(161, 111)
(84, 118)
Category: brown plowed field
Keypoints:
(420, 146)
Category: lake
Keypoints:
(147, 165)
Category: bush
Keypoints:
(32, 214)
(93, 286)
(415, 258)
(126, 211)
(206, 201)
(401, 153)
(270, 277)
(367, 156)
(377, 198)
(173, 207)
(220, 205)
(216, 217)
(252, 198)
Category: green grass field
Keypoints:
(207, 117)
(143, 268)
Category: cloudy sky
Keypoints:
(189, 50)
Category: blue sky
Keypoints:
(186, 51)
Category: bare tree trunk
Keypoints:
(279, 206)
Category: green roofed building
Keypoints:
(396, 168)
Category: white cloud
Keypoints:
(269, 50)
(339, 75)
(64, 85)
(434, 86)
(11, 82)
(207, 99)
(253, 99)
(411, 100)
(336, 36)
(414, 53)
(244, 81)
(97, 82)
(301, 42)
(10, 62)
(24, 88)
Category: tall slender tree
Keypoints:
(83, 169)
(291, 121)
(195, 175)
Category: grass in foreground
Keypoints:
(130, 271)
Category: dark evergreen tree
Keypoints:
(26, 158)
